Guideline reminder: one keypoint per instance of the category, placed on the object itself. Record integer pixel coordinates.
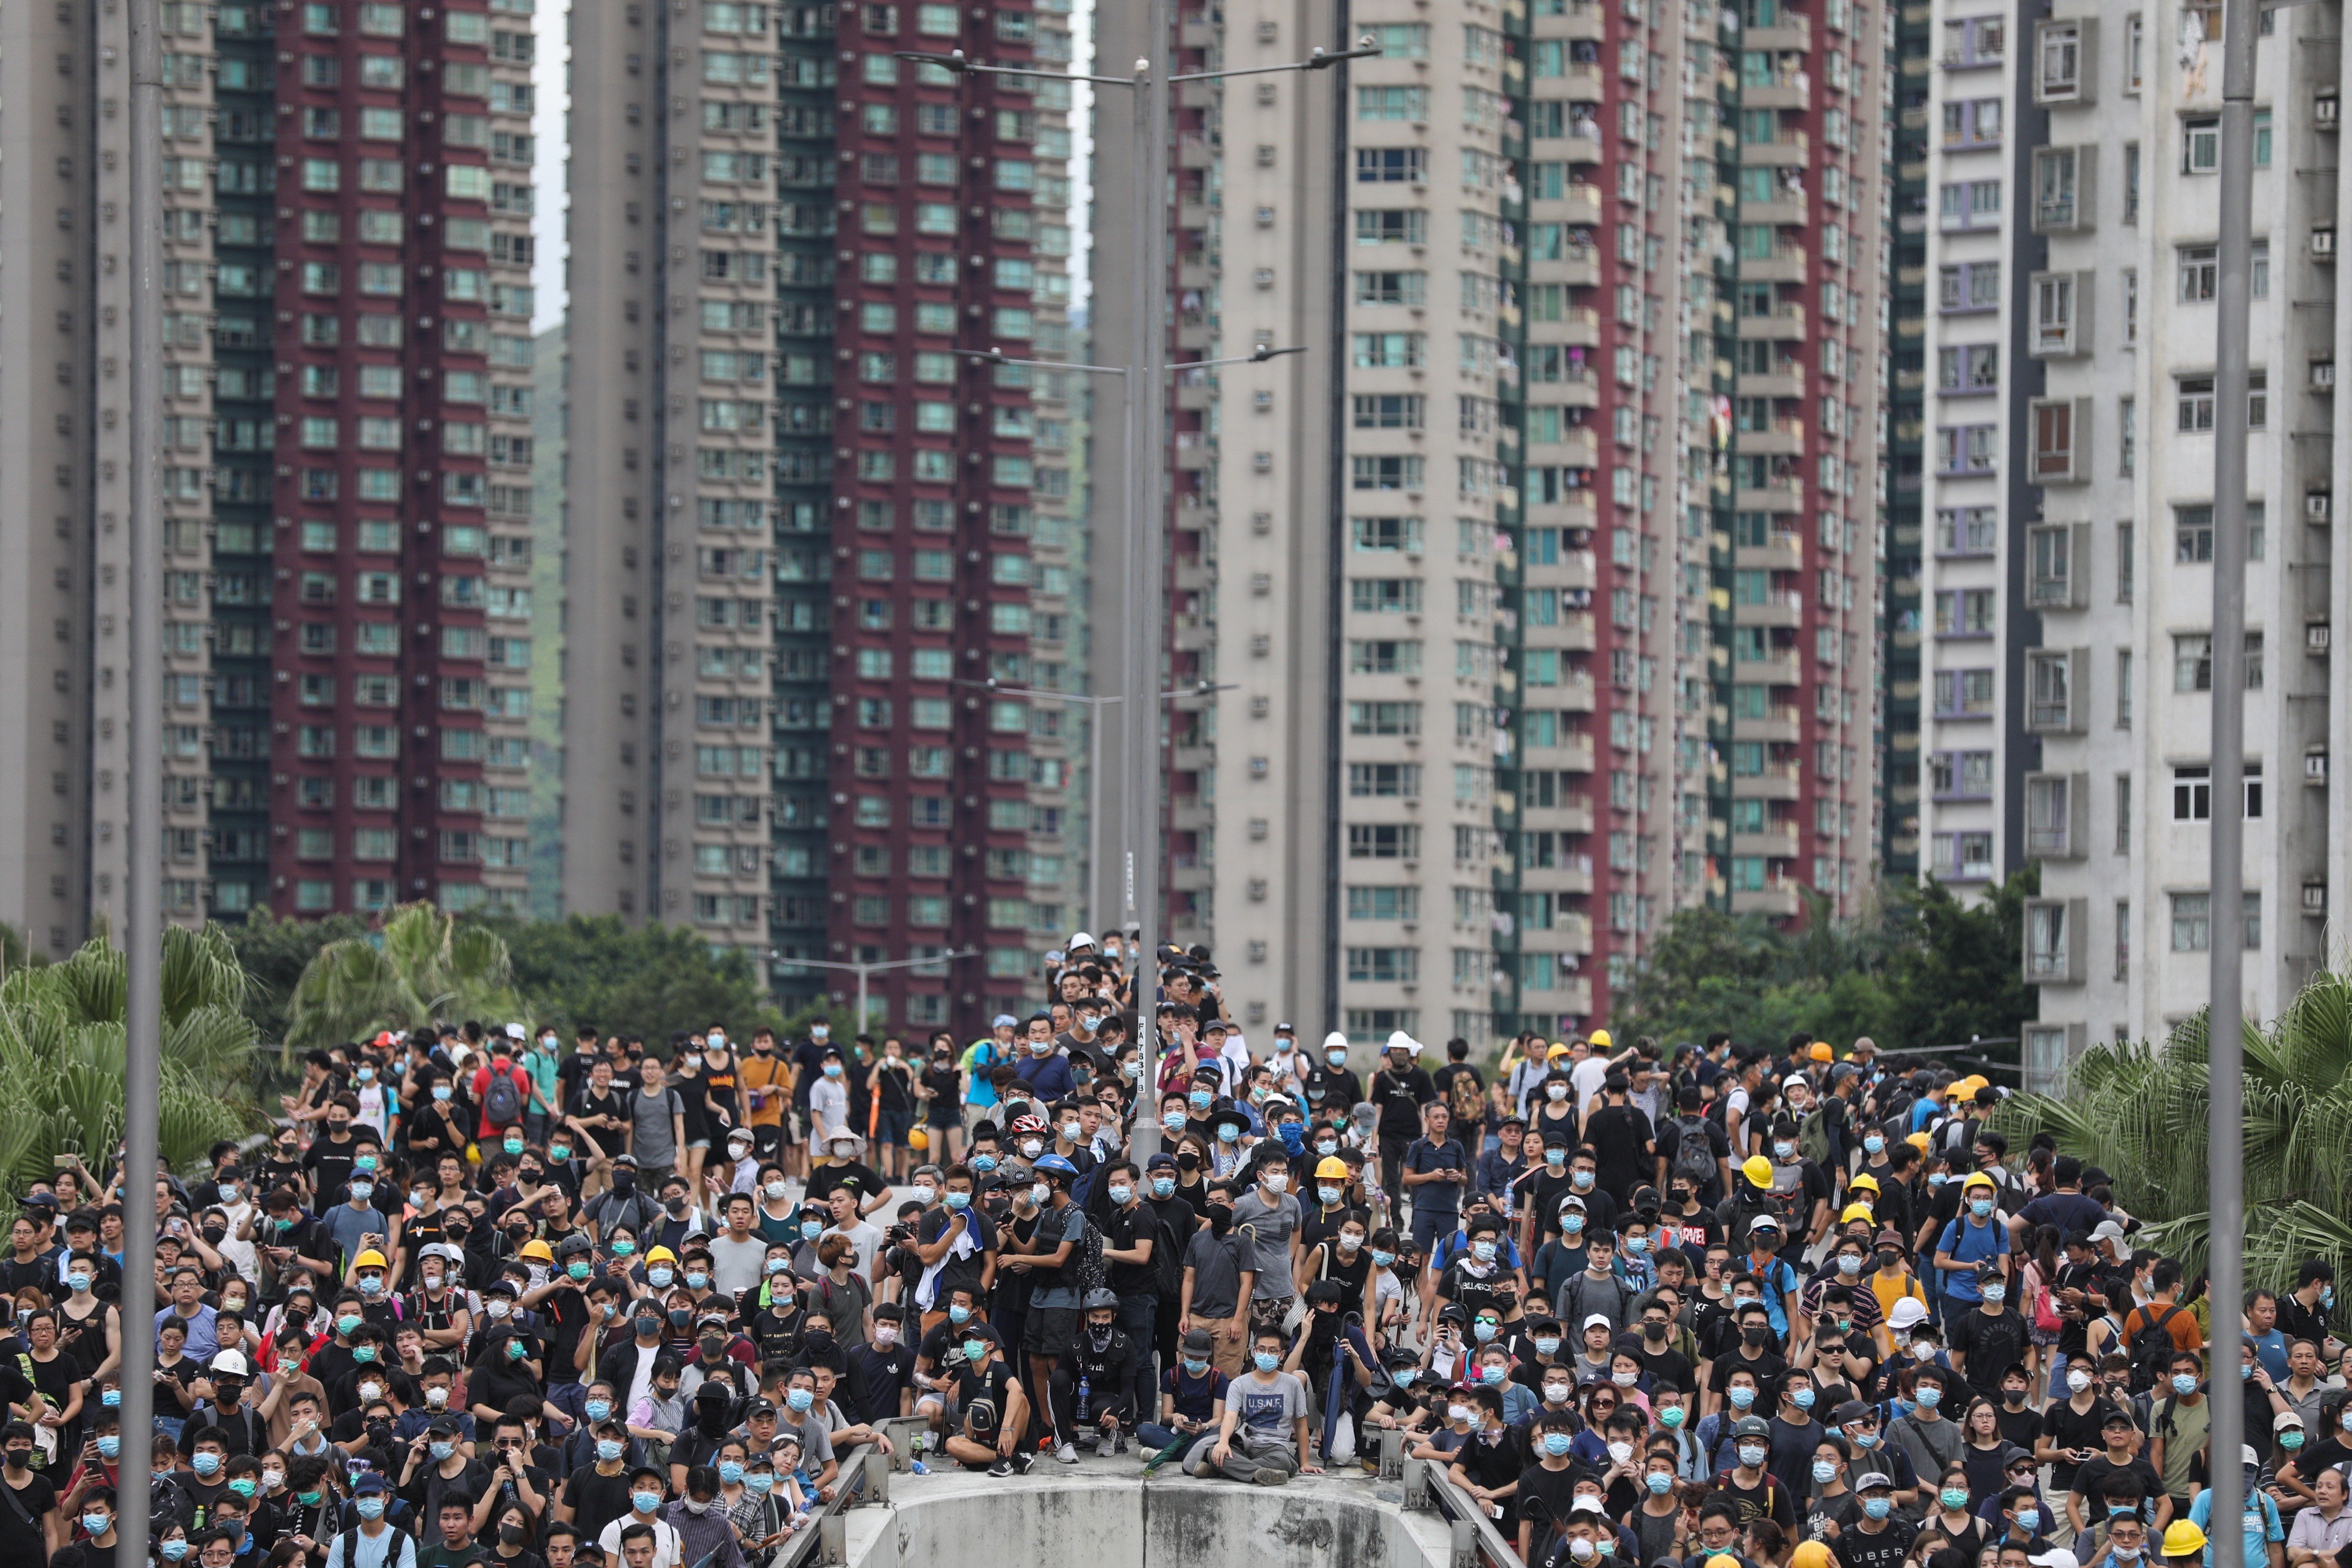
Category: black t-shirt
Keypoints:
(608, 1140)
(1990, 1341)
(1768, 1498)
(329, 1164)
(2091, 1475)
(597, 1499)
(1401, 1097)
(2067, 1428)
(881, 1375)
(1122, 1228)
(1330, 1263)
(1618, 1133)
(21, 1539)
(947, 1096)
(1857, 1548)
(953, 1271)
(826, 1179)
(1544, 1495)
(2019, 1424)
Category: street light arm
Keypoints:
(998, 356)
(1317, 59)
(872, 968)
(1258, 355)
(961, 64)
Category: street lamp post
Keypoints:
(1143, 605)
(866, 971)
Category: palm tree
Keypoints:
(422, 967)
(62, 1054)
(2140, 1111)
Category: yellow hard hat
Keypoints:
(1865, 1182)
(1758, 1170)
(1820, 1051)
(919, 1138)
(1811, 1554)
(1597, 1039)
(1856, 1212)
(370, 1259)
(536, 1251)
(2182, 1539)
(1918, 1141)
(1559, 1049)
(1977, 1179)
(1332, 1165)
(661, 1255)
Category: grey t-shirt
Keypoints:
(1270, 1225)
(1216, 1265)
(650, 1116)
(1269, 1412)
(737, 1265)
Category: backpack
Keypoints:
(1167, 1261)
(2151, 1348)
(502, 1100)
(1695, 1154)
(1469, 1106)
(1814, 1137)
(1085, 1261)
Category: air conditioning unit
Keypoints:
(2323, 375)
(2315, 767)
(2323, 110)
(2315, 636)
(2315, 893)
(2323, 243)
(2318, 506)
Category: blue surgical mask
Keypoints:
(598, 1409)
(1557, 1443)
(1482, 1331)
(2184, 1383)
(731, 1472)
(983, 1162)
(1201, 1100)
(1266, 1361)
(205, 1465)
(1195, 1368)
(1824, 1472)
(1929, 1396)
(608, 1449)
(1980, 1208)
(1383, 1259)
(959, 1316)
(1873, 1144)
(1877, 1507)
(1172, 1120)
(759, 1482)
(1803, 1398)
(112, 1399)
(645, 1503)
(173, 1551)
(441, 1093)
(1227, 1132)
(799, 1399)
(109, 1446)
(1163, 1186)
(956, 1202)
(370, 1507)
(1741, 1398)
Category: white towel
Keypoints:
(966, 1243)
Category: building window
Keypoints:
(2201, 144)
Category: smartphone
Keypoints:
(61, 1162)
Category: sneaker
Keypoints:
(1067, 1454)
(1089, 1443)
(1119, 1443)
(1002, 1468)
(1267, 1476)
(1020, 1463)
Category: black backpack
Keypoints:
(2151, 1349)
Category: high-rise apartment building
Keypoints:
(1900, 635)
(2072, 338)
(1600, 550)
(345, 256)
(824, 521)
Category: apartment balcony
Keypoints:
(1792, 385)
(1192, 632)
(1572, 874)
(1195, 333)
(1578, 511)
(1193, 449)
(1776, 782)
(1584, 82)
(1582, 144)
(1779, 553)
(1790, 151)
(1783, 438)
(1186, 814)
(1776, 669)
(1197, 32)
(1573, 997)
(1784, 608)
(1580, 270)
(1788, 264)
(1192, 759)
(1191, 574)
(1581, 204)
(1576, 632)
(1573, 754)
(1195, 395)
(1790, 32)
(1572, 814)
(1579, 448)
(1780, 899)
(1574, 569)
(1581, 329)
(1566, 933)
(1787, 208)
(1577, 391)
(1192, 879)
(1576, 693)
(1778, 725)
(1778, 840)
(1785, 323)
(1194, 152)
(1784, 496)
(1192, 215)
(1585, 21)
(1194, 269)
(1787, 93)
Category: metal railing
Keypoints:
(1477, 1540)
(863, 1479)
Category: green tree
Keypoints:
(422, 967)
(620, 979)
(62, 1054)
(1960, 976)
(2140, 1111)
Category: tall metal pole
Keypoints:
(863, 970)
(1148, 390)
(143, 931)
(2225, 1029)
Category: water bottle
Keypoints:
(1086, 1398)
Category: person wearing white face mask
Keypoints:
(1268, 1217)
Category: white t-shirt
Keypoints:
(1586, 1078)
(666, 1548)
(828, 1111)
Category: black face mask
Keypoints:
(820, 1340)
(511, 1535)
(1221, 1216)
(19, 1458)
(1187, 1159)
(625, 1182)
(1654, 1330)
(1755, 1335)
(679, 1316)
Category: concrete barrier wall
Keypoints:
(1166, 1523)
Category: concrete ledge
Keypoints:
(1103, 1513)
